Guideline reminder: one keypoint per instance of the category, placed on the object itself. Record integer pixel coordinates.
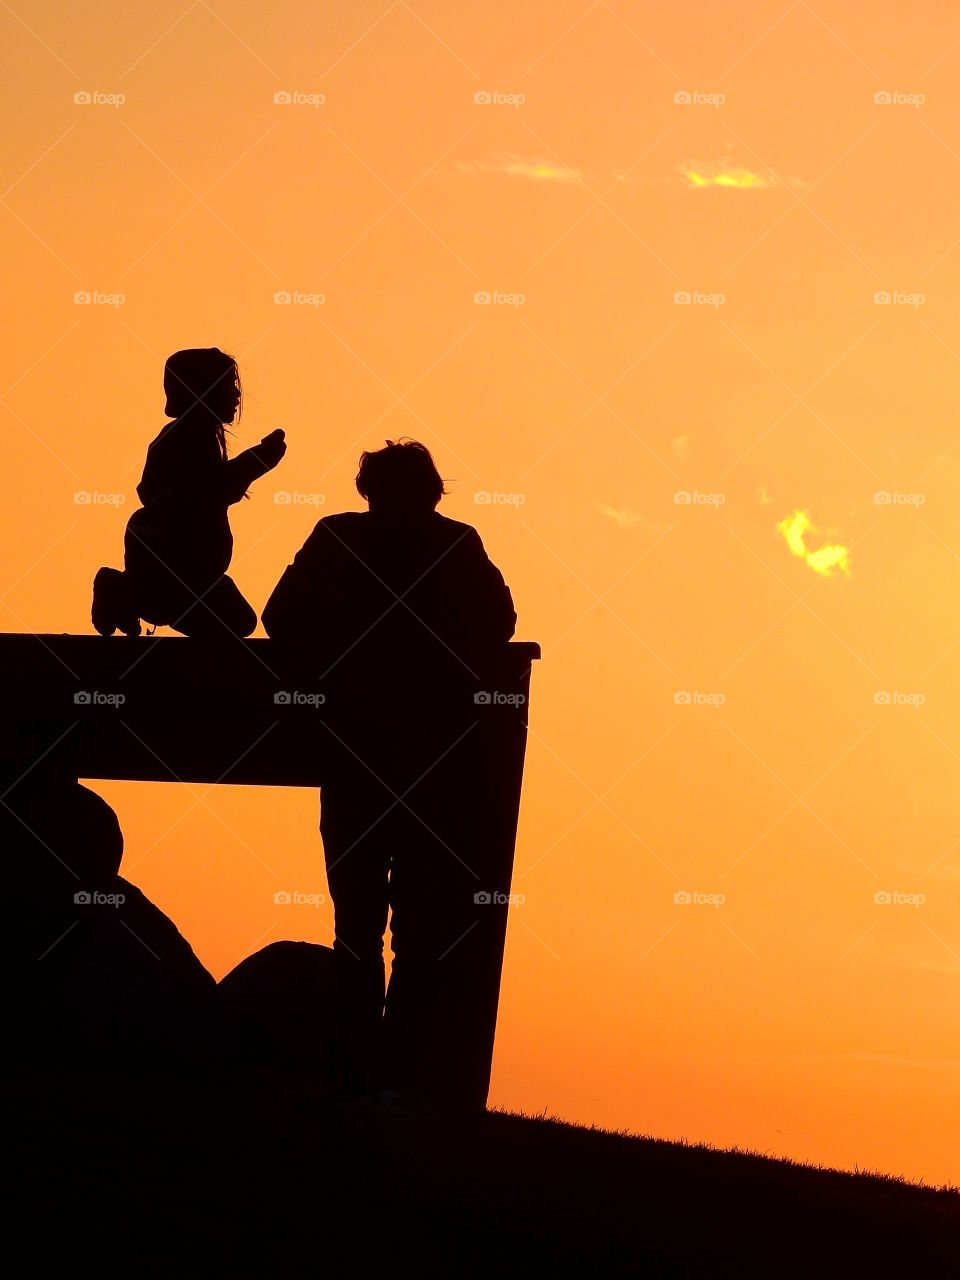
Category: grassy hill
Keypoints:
(259, 1176)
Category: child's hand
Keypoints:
(271, 449)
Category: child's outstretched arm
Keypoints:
(241, 471)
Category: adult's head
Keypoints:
(202, 376)
(400, 479)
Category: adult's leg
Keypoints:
(432, 887)
(355, 848)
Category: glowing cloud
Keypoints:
(722, 175)
(793, 529)
(625, 519)
(534, 170)
(826, 559)
(693, 174)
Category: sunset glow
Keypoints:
(618, 266)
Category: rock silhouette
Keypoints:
(128, 989)
(104, 976)
(106, 980)
(280, 1009)
(60, 839)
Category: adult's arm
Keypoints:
(484, 605)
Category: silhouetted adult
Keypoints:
(178, 545)
(405, 604)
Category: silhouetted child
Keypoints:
(405, 606)
(178, 545)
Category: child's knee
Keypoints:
(247, 620)
(232, 608)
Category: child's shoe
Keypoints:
(111, 607)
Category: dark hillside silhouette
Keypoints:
(265, 1176)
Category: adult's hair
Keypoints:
(401, 476)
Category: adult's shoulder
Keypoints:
(460, 538)
(343, 522)
(342, 527)
(454, 531)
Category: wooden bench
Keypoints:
(255, 713)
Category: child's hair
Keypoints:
(200, 375)
(401, 476)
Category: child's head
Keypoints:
(202, 376)
(401, 478)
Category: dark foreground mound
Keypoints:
(158, 1124)
(222, 1176)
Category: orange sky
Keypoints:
(798, 1016)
